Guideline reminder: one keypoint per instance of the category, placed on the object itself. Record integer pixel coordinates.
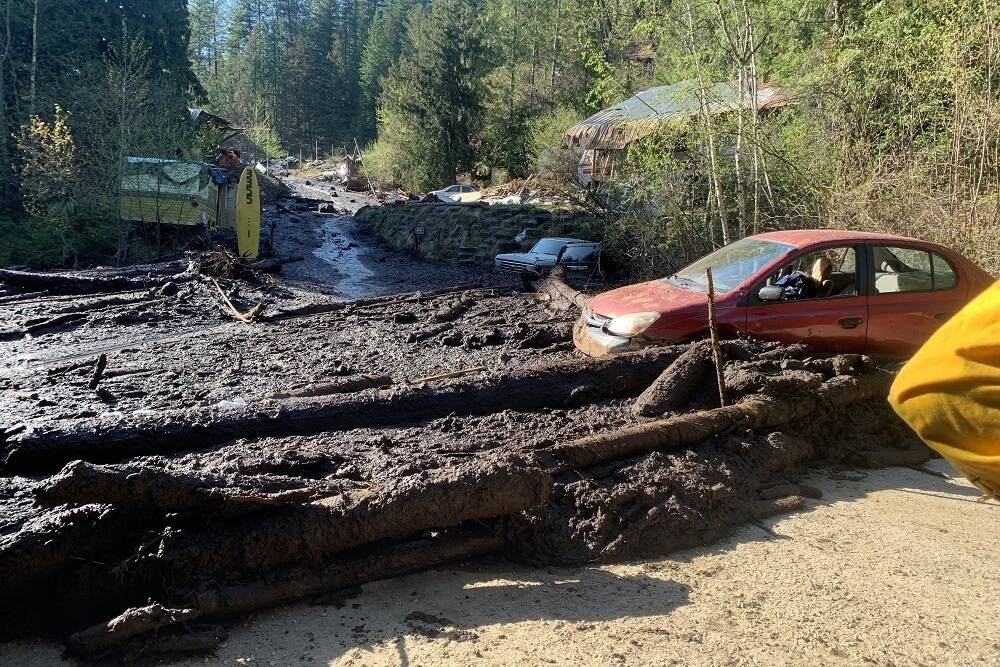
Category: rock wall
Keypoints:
(473, 233)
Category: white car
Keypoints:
(454, 194)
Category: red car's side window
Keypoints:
(828, 272)
(900, 269)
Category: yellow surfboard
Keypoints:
(248, 214)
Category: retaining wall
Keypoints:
(472, 233)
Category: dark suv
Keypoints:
(573, 254)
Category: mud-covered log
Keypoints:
(680, 431)
(356, 568)
(147, 489)
(453, 310)
(79, 283)
(754, 412)
(743, 382)
(341, 386)
(39, 327)
(561, 295)
(308, 535)
(558, 384)
(132, 623)
(675, 385)
(46, 544)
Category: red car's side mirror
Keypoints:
(771, 293)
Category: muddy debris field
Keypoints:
(165, 466)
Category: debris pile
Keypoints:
(450, 425)
(532, 191)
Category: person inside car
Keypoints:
(822, 269)
(797, 285)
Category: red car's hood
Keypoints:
(655, 296)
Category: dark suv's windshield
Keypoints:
(730, 265)
(548, 247)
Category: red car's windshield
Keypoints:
(730, 265)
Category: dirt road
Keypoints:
(343, 259)
(891, 567)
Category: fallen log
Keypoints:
(450, 375)
(342, 386)
(107, 302)
(98, 374)
(49, 542)
(69, 283)
(148, 489)
(23, 297)
(754, 412)
(113, 436)
(38, 327)
(359, 567)
(562, 297)
(453, 311)
(371, 302)
(132, 623)
(480, 488)
(675, 385)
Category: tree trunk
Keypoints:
(676, 385)
(709, 129)
(5, 46)
(224, 600)
(559, 384)
(34, 59)
(754, 412)
(308, 535)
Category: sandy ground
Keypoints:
(892, 567)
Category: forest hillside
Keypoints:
(893, 121)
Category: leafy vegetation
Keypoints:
(893, 125)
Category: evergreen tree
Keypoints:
(205, 20)
(432, 101)
(383, 48)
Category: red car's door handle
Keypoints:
(850, 322)
(944, 317)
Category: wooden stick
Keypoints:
(713, 330)
(452, 374)
(246, 319)
(102, 363)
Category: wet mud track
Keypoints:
(200, 468)
(341, 257)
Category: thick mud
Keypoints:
(159, 459)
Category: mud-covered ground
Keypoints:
(343, 258)
(229, 466)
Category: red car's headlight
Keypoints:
(632, 324)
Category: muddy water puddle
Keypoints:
(343, 253)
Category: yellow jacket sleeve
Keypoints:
(949, 392)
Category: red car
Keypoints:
(837, 291)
